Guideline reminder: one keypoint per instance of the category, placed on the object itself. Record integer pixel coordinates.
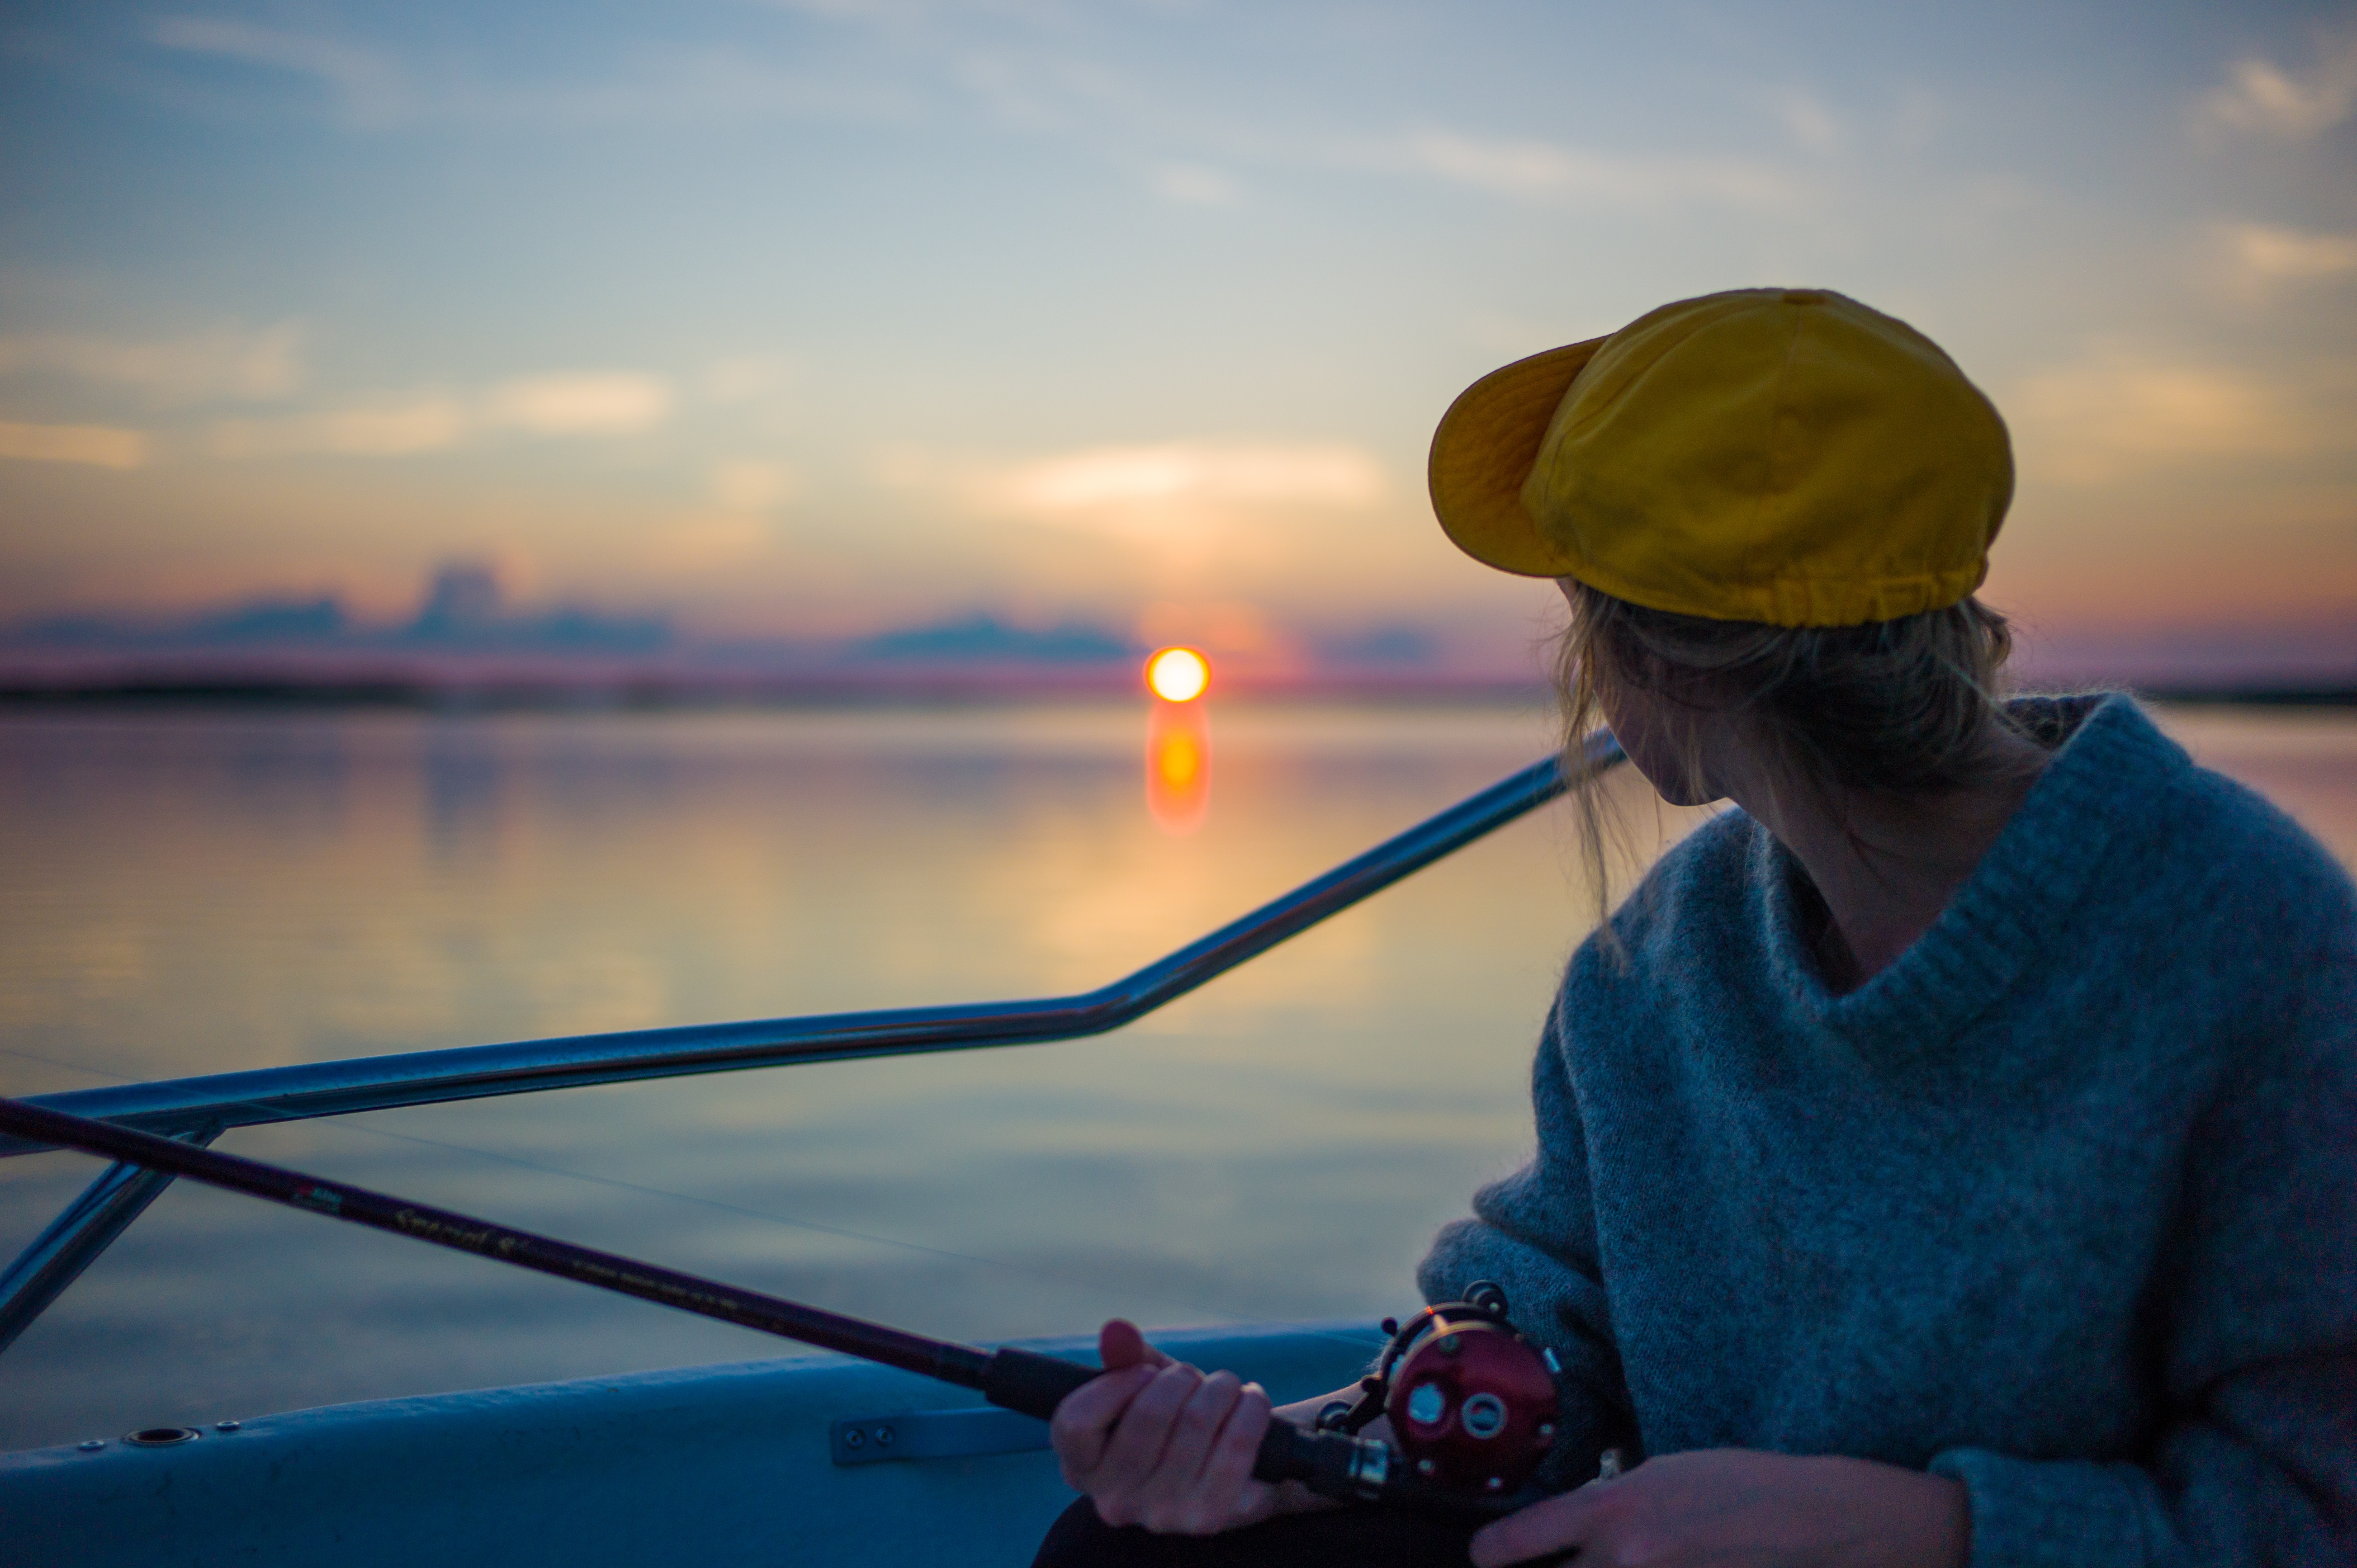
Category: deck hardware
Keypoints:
(226, 1425)
(92, 1447)
(161, 1436)
(934, 1435)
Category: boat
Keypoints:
(817, 1459)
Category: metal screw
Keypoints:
(92, 1447)
(883, 1437)
(855, 1438)
(1423, 1466)
(1546, 1429)
(226, 1425)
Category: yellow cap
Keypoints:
(1783, 455)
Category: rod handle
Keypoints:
(1029, 1382)
(1034, 1384)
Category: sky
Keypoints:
(818, 318)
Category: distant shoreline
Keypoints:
(899, 690)
(851, 692)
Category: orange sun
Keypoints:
(1178, 675)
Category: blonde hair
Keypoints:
(1900, 707)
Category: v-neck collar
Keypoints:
(2008, 912)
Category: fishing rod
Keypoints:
(1472, 1402)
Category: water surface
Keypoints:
(198, 892)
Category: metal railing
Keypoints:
(199, 1108)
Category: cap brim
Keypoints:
(1486, 446)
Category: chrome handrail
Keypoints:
(177, 1107)
(199, 1108)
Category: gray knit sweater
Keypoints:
(2062, 1204)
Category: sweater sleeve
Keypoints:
(2256, 1318)
(2263, 1476)
(1534, 1234)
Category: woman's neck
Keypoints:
(1887, 864)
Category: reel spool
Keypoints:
(1472, 1404)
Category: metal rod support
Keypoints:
(86, 1228)
(177, 1106)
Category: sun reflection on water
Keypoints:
(1178, 766)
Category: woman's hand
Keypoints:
(1153, 1442)
(1730, 1507)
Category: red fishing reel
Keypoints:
(1472, 1404)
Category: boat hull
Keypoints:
(809, 1460)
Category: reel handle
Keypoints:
(1352, 1469)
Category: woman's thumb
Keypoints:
(1119, 1345)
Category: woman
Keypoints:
(1948, 1157)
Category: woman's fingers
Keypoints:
(1196, 1426)
(1085, 1419)
(1184, 1497)
(1227, 1467)
(1154, 1442)
(1539, 1529)
(1135, 1447)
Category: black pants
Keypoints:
(1342, 1537)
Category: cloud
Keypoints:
(2268, 255)
(2119, 414)
(227, 364)
(706, 543)
(590, 403)
(1217, 627)
(370, 85)
(1808, 121)
(1101, 480)
(98, 446)
(888, 11)
(2260, 96)
(1186, 516)
(1193, 184)
(375, 89)
(1535, 170)
(741, 378)
(383, 430)
(753, 486)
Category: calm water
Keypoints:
(190, 894)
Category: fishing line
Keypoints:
(1025, 1271)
